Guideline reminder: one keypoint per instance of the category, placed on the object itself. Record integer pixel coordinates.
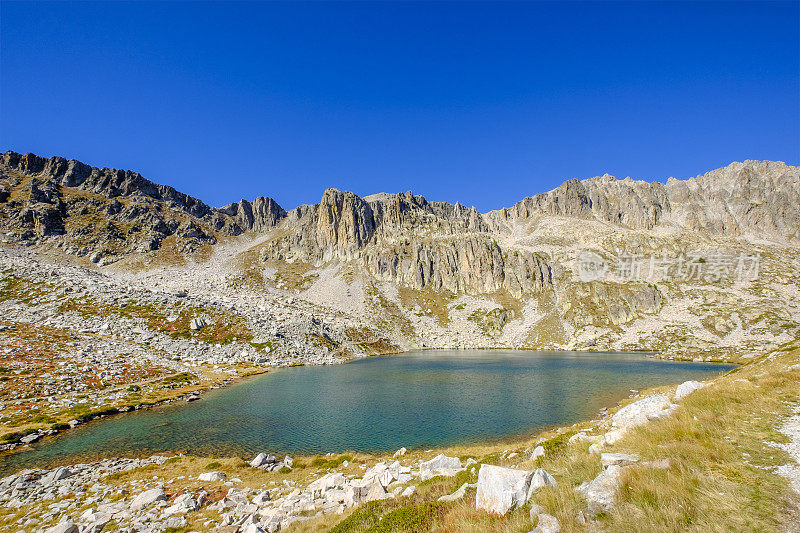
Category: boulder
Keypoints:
(30, 438)
(262, 498)
(541, 478)
(500, 489)
(373, 491)
(56, 475)
(66, 526)
(537, 453)
(619, 459)
(212, 476)
(329, 481)
(441, 465)
(686, 388)
(183, 504)
(547, 524)
(640, 411)
(458, 494)
(147, 498)
(258, 460)
(601, 492)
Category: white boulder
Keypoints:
(457, 495)
(441, 465)
(500, 489)
(601, 492)
(547, 524)
(686, 388)
(640, 411)
(147, 498)
(183, 504)
(537, 453)
(212, 476)
(541, 478)
(329, 481)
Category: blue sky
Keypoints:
(483, 103)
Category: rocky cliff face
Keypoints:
(102, 211)
(629, 203)
(752, 199)
(260, 215)
(440, 274)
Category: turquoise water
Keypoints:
(418, 399)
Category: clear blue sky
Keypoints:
(484, 103)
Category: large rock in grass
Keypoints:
(500, 489)
(212, 476)
(547, 523)
(148, 498)
(619, 459)
(640, 411)
(601, 492)
(686, 388)
(441, 465)
(541, 478)
(637, 413)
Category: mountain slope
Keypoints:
(436, 274)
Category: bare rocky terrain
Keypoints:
(118, 293)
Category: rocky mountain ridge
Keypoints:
(750, 199)
(436, 274)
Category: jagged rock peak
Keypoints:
(261, 214)
(106, 181)
(756, 198)
(632, 203)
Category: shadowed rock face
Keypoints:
(261, 215)
(64, 197)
